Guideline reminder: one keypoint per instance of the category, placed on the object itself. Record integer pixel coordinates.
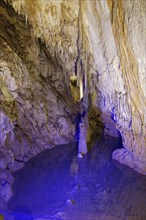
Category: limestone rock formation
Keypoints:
(45, 44)
(82, 148)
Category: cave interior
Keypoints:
(72, 110)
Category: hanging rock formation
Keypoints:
(45, 44)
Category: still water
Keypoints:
(57, 185)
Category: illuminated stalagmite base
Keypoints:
(82, 145)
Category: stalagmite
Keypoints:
(82, 145)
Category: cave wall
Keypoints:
(37, 110)
(44, 44)
(115, 30)
(108, 38)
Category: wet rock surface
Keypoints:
(57, 185)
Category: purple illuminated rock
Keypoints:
(3, 163)
(5, 175)
(6, 192)
(124, 157)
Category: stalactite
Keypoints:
(81, 87)
(82, 78)
(19, 7)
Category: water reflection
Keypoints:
(58, 185)
(22, 212)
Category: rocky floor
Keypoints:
(56, 185)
